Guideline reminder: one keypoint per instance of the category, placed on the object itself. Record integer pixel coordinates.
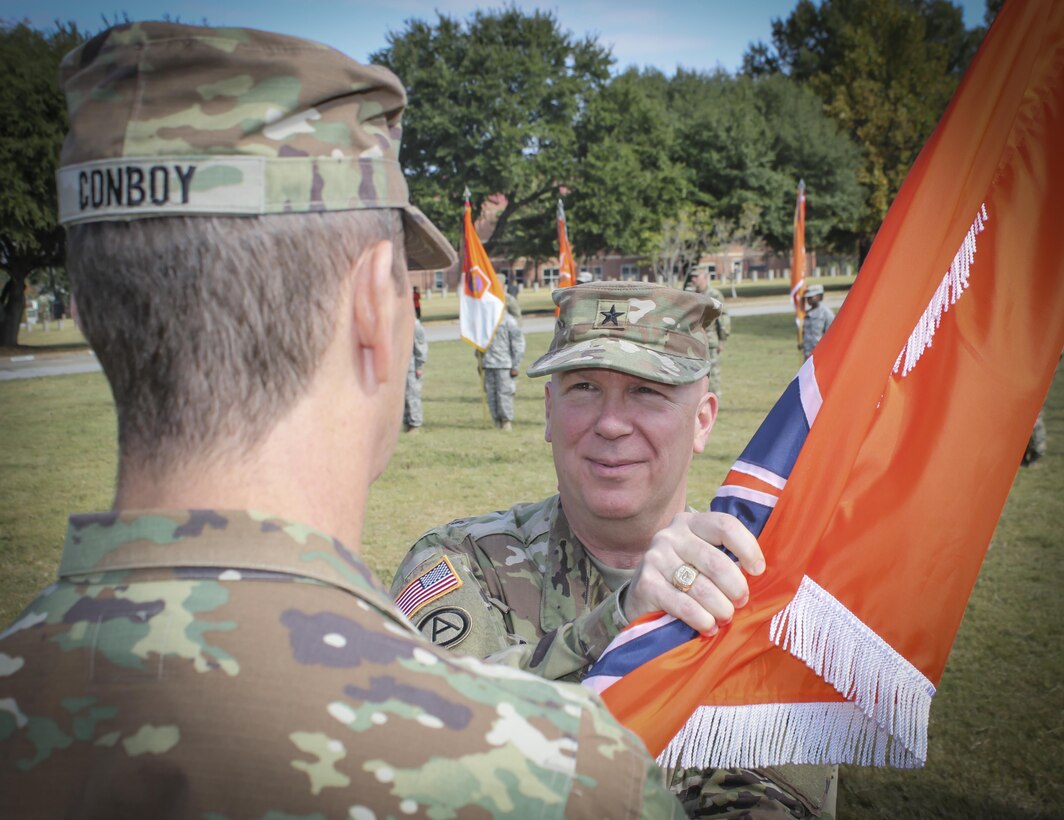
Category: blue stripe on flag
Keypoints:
(631, 655)
(779, 439)
(753, 515)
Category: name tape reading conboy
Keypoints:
(128, 188)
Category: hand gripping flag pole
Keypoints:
(880, 474)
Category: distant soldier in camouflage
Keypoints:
(818, 318)
(214, 646)
(718, 332)
(413, 417)
(499, 365)
(547, 585)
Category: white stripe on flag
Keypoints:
(809, 390)
(639, 631)
(745, 493)
(600, 683)
(769, 477)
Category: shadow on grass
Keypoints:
(44, 350)
(928, 801)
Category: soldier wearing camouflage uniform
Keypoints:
(214, 646)
(547, 585)
(818, 318)
(499, 365)
(413, 417)
(718, 332)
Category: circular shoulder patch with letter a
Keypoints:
(446, 626)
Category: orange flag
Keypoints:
(481, 299)
(566, 264)
(798, 259)
(884, 467)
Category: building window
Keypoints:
(438, 284)
(519, 274)
(711, 271)
(629, 272)
(597, 272)
(550, 276)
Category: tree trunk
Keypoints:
(12, 302)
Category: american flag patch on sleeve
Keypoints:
(435, 582)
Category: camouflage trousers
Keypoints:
(499, 387)
(412, 415)
(737, 794)
(713, 355)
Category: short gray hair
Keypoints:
(210, 328)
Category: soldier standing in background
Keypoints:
(500, 363)
(413, 417)
(214, 645)
(512, 292)
(718, 332)
(818, 318)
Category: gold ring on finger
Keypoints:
(684, 578)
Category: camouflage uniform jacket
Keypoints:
(530, 597)
(814, 326)
(228, 664)
(720, 330)
(507, 346)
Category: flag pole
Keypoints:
(798, 262)
(479, 354)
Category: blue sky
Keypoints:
(695, 34)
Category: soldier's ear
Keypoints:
(546, 409)
(705, 416)
(375, 313)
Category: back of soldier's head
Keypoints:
(218, 185)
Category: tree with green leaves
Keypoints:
(35, 121)
(809, 145)
(626, 182)
(492, 106)
(724, 142)
(746, 143)
(681, 242)
(884, 69)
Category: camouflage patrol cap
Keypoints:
(651, 331)
(169, 120)
(814, 290)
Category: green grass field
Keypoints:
(997, 723)
(52, 340)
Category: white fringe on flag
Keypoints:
(883, 722)
(953, 284)
(896, 696)
(775, 734)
